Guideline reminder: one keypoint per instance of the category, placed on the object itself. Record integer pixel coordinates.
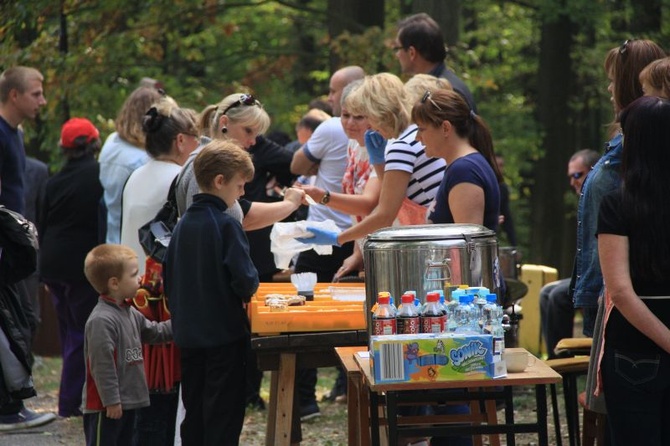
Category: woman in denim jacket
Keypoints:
(623, 65)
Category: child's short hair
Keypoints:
(657, 75)
(221, 157)
(104, 262)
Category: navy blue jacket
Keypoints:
(208, 276)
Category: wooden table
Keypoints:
(358, 402)
(538, 375)
(283, 355)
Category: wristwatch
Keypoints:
(326, 198)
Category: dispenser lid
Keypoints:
(450, 231)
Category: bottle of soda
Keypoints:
(384, 317)
(433, 317)
(408, 316)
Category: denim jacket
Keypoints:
(587, 279)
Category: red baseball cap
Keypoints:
(75, 128)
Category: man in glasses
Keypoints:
(420, 49)
(556, 309)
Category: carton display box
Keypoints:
(436, 357)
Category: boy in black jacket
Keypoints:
(208, 277)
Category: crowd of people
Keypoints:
(381, 153)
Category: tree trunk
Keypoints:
(353, 16)
(446, 13)
(548, 223)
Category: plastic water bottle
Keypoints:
(452, 309)
(466, 315)
(407, 319)
(493, 314)
(433, 317)
(479, 294)
(384, 317)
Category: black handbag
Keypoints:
(155, 234)
(18, 247)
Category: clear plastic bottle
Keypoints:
(433, 317)
(407, 319)
(466, 315)
(493, 314)
(384, 317)
(452, 309)
(479, 294)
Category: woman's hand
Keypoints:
(351, 264)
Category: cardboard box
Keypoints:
(436, 357)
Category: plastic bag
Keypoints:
(284, 246)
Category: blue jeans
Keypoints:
(637, 395)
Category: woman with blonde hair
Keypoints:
(122, 153)
(241, 118)
(410, 178)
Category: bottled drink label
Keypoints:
(408, 325)
(433, 324)
(383, 326)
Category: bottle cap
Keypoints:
(432, 297)
(491, 298)
(407, 298)
(383, 299)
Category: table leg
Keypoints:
(272, 410)
(541, 403)
(284, 412)
(374, 417)
(509, 414)
(364, 411)
(353, 411)
(392, 417)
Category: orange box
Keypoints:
(321, 314)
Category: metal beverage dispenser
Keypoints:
(424, 258)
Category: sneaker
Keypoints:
(25, 418)
(309, 412)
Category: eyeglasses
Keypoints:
(426, 97)
(397, 48)
(576, 175)
(245, 99)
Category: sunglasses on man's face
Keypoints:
(576, 175)
(245, 99)
(426, 97)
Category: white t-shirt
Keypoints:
(328, 147)
(408, 155)
(144, 195)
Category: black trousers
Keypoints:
(102, 431)
(213, 391)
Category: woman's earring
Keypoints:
(224, 129)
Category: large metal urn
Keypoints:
(429, 257)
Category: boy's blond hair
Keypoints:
(221, 157)
(104, 262)
(657, 74)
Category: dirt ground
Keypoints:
(328, 430)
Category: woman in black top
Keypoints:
(634, 251)
(68, 231)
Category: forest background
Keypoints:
(534, 66)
